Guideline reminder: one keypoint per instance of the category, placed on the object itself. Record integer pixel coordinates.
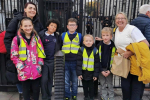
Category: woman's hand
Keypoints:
(127, 54)
(99, 39)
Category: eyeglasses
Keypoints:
(71, 24)
(120, 18)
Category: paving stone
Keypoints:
(80, 96)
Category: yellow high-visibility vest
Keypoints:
(23, 51)
(112, 54)
(88, 62)
(71, 46)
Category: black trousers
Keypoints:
(35, 85)
(47, 79)
(132, 89)
(96, 88)
(88, 88)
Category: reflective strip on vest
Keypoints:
(41, 53)
(88, 62)
(112, 54)
(23, 52)
(71, 46)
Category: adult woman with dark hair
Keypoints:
(30, 10)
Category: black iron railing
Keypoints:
(82, 10)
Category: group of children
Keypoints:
(34, 57)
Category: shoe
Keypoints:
(91, 98)
(21, 96)
(31, 97)
(74, 97)
(86, 98)
(66, 99)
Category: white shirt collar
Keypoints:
(48, 34)
(107, 44)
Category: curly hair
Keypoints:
(53, 21)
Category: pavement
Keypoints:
(80, 96)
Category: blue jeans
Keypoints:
(70, 76)
(19, 87)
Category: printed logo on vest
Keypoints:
(76, 39)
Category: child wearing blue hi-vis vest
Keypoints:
(88, 66)
(72, 41)
(107, 50)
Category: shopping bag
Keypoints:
(120, 65)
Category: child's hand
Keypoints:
(107, 73)
(99, 39)
(80, 77)
(94, 78)
(104, 73)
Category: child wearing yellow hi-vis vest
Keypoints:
(88, 66)
(27, 55)
(106, 50)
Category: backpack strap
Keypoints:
(82, 48)
(95, 50)
(18, 40)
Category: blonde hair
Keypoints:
(107, 29)
(88, 35)
(123, 15)
(72, 20)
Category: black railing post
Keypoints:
(81, 16)
(134, 8)
(59, 75)
(41, 7)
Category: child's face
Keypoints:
(52, 28)
(88, 41)
(106, 36)
(72, 26)
(27, 26)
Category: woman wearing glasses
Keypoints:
(132, 89)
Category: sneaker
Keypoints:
(74, 97)
(66, 99)
(21, 96)
(91, 98)
(86, 98)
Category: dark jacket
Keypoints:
(105, 55)
(142, 22)
(87, 75)
(11, 32)
(58, 39)
(13, 26)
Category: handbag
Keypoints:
(120, 65)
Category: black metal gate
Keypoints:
(82, 10)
